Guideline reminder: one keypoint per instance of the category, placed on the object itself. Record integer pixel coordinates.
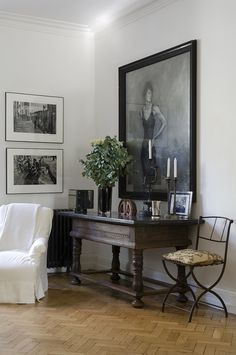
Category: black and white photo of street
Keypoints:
(35, 170)
(30, 117)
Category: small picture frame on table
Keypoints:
(181, 203)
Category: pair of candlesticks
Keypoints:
(153, 207)
(151, 177)
(168, 182)
(168, 161)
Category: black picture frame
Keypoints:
(172, 75)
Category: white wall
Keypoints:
(42, 62)
(37, 61)
(212, 23)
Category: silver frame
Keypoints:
(12, 188)
(12, 135)
(174, 201)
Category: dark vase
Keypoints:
(104, 200)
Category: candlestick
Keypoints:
(168, 194)
(149, 149)
(174, 207)
(175, 168)
(149, 179)
(168, 168)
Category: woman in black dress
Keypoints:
(153, 124)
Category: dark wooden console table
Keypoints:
(136, 234)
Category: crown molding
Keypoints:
(134, 16)
(38, 24)
(70, 29)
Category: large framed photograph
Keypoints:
(157, 122)
(34, 118)
(34, 170)
(181, 203)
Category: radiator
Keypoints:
(60, 243)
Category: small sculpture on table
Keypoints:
(127, 208)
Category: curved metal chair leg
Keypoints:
(191, 312)
(171, 290)
(194, 296)
(178, 285)
(195, 304)
(221, 300)
(210, 289)
(168, 272)
(167, 295)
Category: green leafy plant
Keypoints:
(107, 161)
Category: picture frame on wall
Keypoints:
(157, 122)
(181, 203)
(34, 118)
(34, 170)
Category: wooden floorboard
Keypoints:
(91, 319)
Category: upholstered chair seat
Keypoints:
(194, 257)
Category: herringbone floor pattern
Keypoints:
(93, 320)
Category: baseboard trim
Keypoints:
(228, 296)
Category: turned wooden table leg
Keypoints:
(76, 268)
(137, 285)
(182, 280)
(115, 265)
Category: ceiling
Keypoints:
(92, 13)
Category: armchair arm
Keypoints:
(38, 247)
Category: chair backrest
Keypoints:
(214, 231)
(22, 223)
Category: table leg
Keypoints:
(76, 268)
(137, 285)
(182, 280)
(115, 265)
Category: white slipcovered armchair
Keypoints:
(24, 233)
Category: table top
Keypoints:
(116, 218)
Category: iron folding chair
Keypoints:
(211, 230)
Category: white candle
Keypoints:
(175, 168)
(168, 168)
(149, 149)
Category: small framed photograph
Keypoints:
(182, 204)
(34, 118)
(34, 170)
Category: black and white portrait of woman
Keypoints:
(157, 118)
(157, 122)
(153, 123)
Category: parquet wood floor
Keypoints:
(90, 319)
